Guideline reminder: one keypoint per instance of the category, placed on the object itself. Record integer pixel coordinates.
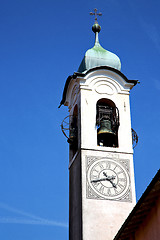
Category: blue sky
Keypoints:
(41, 43)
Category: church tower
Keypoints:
(101, 173)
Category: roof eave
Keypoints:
(143, 200)
(78, 74)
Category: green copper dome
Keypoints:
(98, 56)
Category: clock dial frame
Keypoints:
(108, 179)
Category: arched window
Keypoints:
(107, 121)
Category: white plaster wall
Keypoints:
(103, 85)
(102, 219)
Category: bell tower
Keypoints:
(101, 173)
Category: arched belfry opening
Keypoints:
(73, 131)
(107, 121)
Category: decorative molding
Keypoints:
(115, 80)
(110, 86)
(74, 94)
(109, 151)
(103, 88)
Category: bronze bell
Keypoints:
(73, 134)
(106, 137)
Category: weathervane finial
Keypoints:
(95, 13)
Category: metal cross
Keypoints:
(95, 13)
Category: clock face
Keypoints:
(108, 179)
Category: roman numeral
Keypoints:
(114, 168)
(120, 172)
(115, 190)
(96, 184)
(101, 189)
(108, 165)
(109, 192)
(122, 179)
(120, 185)
(94, 177)
(101, 166)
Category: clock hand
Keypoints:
(105, 174)
(109, 177)
(99, 180)
(113, 184)
(105, 179)
(112, 177)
